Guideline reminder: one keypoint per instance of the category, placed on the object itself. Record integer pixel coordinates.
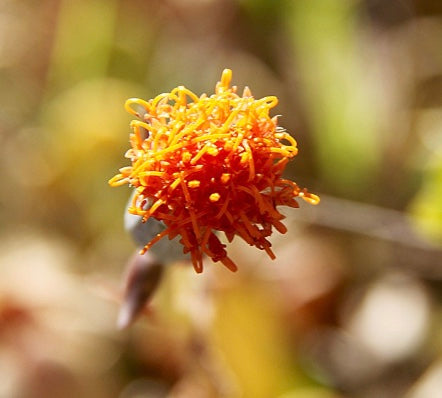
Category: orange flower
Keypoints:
(207, 164)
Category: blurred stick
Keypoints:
(411, 249)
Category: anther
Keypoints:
(193, 184)
(214, 197)
(186, 156)
(225, 178)
(212, 151)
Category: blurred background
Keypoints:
(352, 305)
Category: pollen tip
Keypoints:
(212, 151)
(214, 197)
(186, 157)
(193, 184)
(225, 178)
(310, 198)
(247, 92)
(226, 77)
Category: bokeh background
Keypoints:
(352, 305)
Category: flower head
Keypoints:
(203, 165)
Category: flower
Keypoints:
(203, 165)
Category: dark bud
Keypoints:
(143, 275)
